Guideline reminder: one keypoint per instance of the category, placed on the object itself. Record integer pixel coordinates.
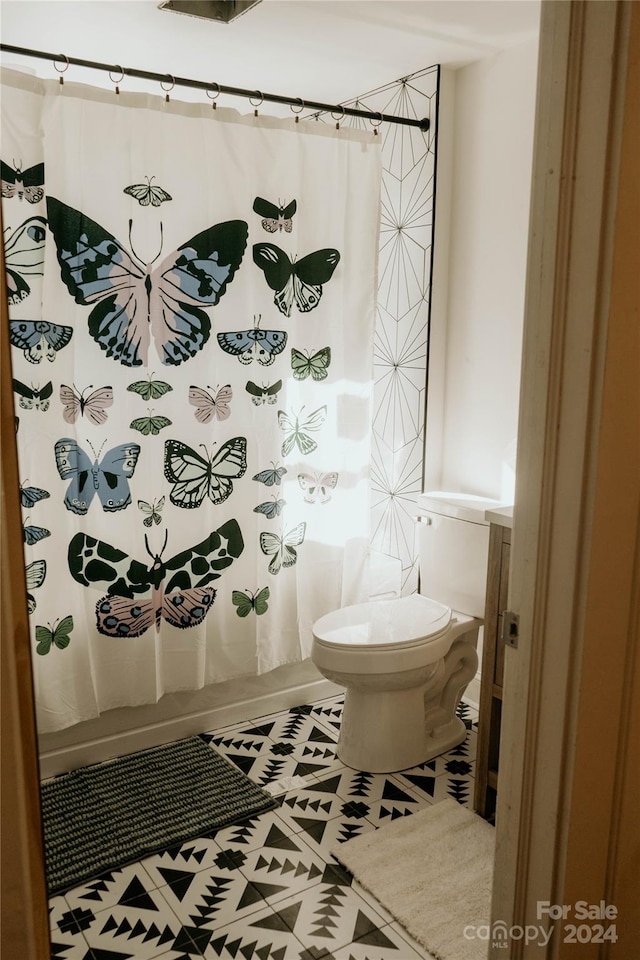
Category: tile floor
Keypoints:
(269, 888)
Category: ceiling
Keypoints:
(328, 50)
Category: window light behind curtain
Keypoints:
(191, 319)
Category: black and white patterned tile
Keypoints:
(263, 936)
(66, 929)
(116, 887)
(265, 830)
(323, 817)
(336, 915)
(286, 745)
(379, 797)
(145, 929)
(245, 890)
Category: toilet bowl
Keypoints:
(405, 662)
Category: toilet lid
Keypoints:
(404, 621)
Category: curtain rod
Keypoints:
(217, 87)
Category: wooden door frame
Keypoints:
(569, 684)
(24, 915)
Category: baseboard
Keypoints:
(98, 750)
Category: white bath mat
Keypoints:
(433, 871)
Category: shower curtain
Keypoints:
(191, 319)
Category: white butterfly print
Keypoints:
(195, 477)
(209, 406)
(282, 550)
(298, 282)
(317, 487)
(93, 407)
(294, 428)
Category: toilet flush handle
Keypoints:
(423, 518)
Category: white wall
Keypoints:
(489, 211)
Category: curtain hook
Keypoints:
(376, 125)
(61, 70)
(167, 89)
(256, 105)
(119, 79)
(214, 105)
(299, 111)
(339, 117)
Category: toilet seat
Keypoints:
(384, 625)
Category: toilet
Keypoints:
(405, 662)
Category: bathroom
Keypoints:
(485, 139)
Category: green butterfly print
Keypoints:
(294, 430)
(315, 366)
(153, 425)
(248, 602)
(195, 477)
(57, 636)
(139, 596)
(150, 389)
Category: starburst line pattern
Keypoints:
(402, 322)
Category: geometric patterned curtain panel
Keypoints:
(403, 311)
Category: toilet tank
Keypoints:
(453, 545)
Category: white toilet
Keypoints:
(405, 662)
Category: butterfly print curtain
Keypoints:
(191, 319)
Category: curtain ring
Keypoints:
(61, 70)
(339, 117)
(167, 89)
(119, 79)
(376, 125)
(256, 105)
(299, 111)
(214, 105)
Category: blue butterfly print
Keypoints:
(29, 496)
(33, 534)
(138, 596)
(39, 339)
(271, 477)
(109, 478)
(271, 508)
(135, 305)
(256, 344)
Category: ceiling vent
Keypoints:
(224, 11)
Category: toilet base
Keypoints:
(383, 731)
